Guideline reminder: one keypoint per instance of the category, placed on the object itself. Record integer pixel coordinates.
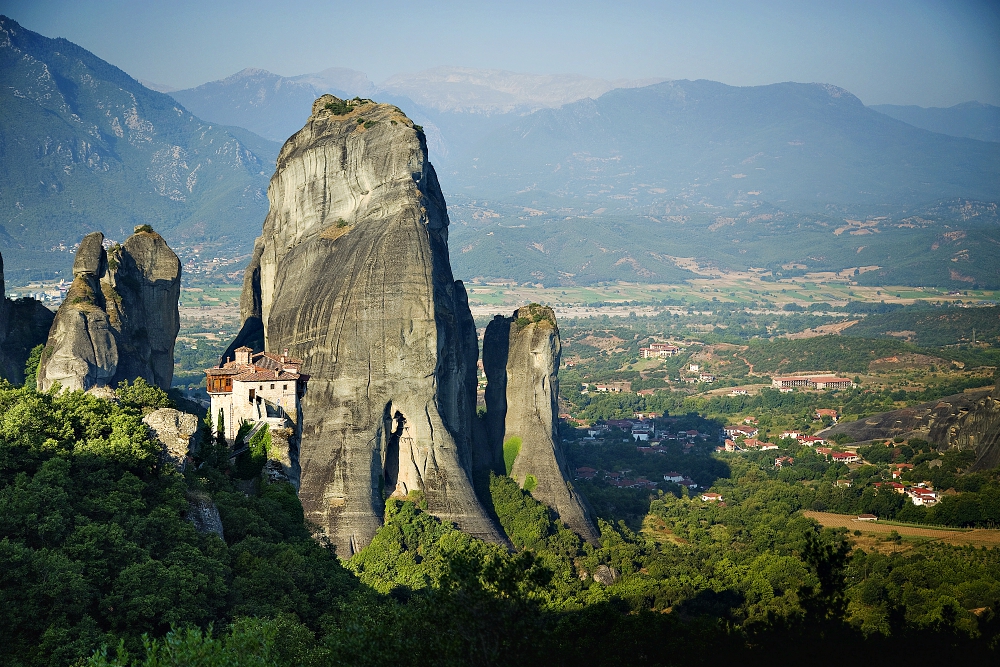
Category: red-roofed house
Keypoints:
(900, 468)
(844, 457)
(895, 486)
(744, 430)
(711, 497)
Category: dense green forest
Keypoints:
(100, 563)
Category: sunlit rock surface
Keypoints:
(521, 360)
(352, 275)
(119, 320)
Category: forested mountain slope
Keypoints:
(86, 147)
(273, 106)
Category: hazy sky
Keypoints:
(931, 53)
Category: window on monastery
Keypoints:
(284, 387)
(272, 386)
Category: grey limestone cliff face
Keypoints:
(522, 404)
(119, 319)
(966, 421)
(175, 431)
(24, 323)
(352, 275)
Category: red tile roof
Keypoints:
(261, 375)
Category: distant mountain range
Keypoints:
(275, 107)
(973, 120)
(456, 105)
(490, 92)
(548, 178)
(800, 145)
(622, 145)
(86, 147)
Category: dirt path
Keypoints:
(982, 537)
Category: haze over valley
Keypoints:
(549, 177)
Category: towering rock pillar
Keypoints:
(119, 320)
(521, 360)
(24, 323)
(352, 276)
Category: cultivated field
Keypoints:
(487, 299)
(980, 537)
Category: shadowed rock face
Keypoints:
(522, 403)
(970, 420)
(119, 319)
(24, 323)
(352, 275)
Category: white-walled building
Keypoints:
(255, 387)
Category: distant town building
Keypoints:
(838, 457)
(744, 430)
(641, 432)
(823, 381)
(921, 496)
(614, 387)
(899, 468)
(659, 351)
(711, 497)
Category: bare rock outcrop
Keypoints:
(24, 323)
(966, 421)
(119, 319)
(352, 275)
(522, 410)
(175, 431)
(204, 514)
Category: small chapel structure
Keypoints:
(255, 388)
